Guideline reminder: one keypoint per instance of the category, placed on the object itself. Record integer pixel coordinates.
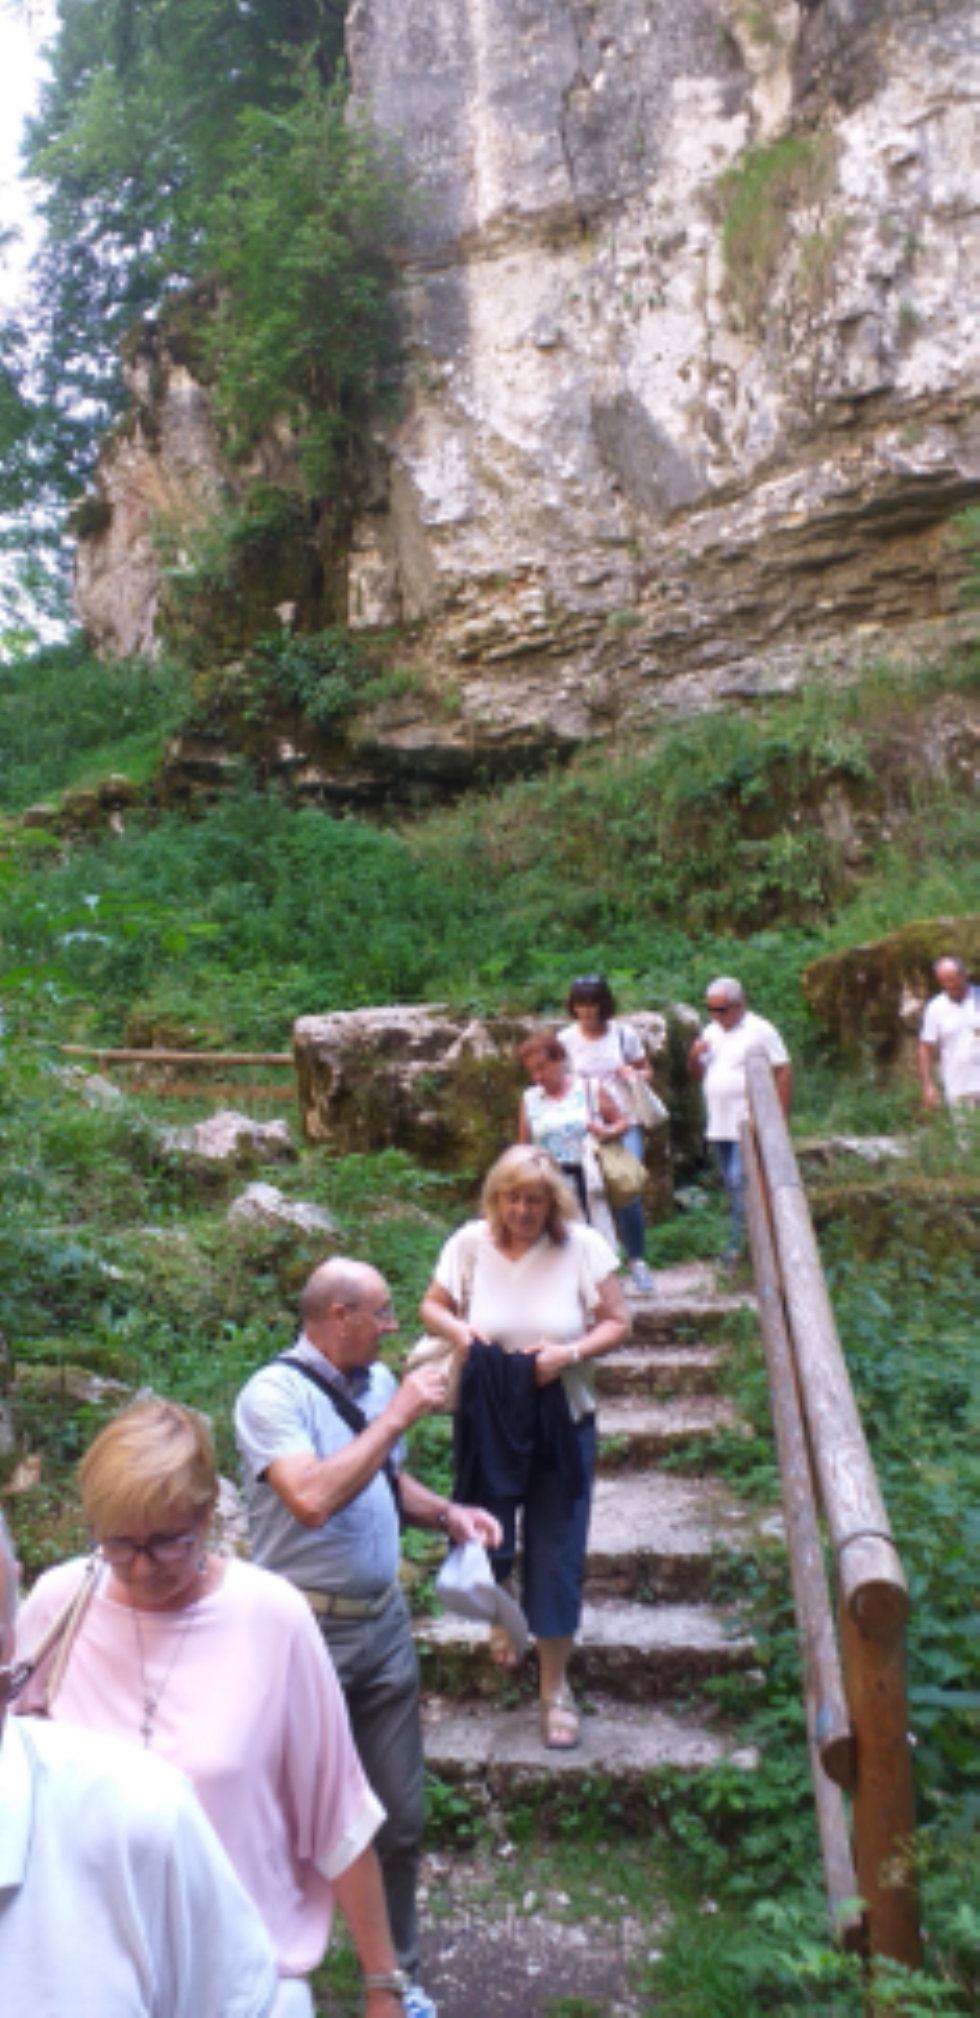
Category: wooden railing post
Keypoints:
(873, 1597)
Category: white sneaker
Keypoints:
(417, 2004)
(640, 1279)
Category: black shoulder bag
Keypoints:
(349, 1413)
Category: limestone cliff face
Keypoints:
(628, 473)
(691, 306)
(161, 468)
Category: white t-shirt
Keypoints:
(602, 1058)
(116, 1898)
(724, 1071)
(550, 1292)
(954, 1028)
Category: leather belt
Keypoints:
(327, 1606)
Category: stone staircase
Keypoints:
(650, 1634)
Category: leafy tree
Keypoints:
(136, 138)
(295, 238)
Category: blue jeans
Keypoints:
(554, 1539)
(629, 1218)
(728, 1162)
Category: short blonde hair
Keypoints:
(151, 1462)
(514, 1170)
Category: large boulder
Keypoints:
(872, 997)
(443, 1086)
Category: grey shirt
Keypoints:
(281, 1414)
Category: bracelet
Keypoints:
(394, 1980)
(442, 1521)
(576, 1353)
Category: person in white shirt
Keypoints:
(950, 1034)
(116, 1898)
(718, 1059)
(608, 1055)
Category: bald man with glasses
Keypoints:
(718, 1058)
(320, 1432)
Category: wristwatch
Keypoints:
(394, 1980)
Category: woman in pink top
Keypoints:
(218, 1667)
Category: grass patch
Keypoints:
(68, 720)
(757, 202)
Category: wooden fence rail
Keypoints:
(856, 1700)
(205, 1059)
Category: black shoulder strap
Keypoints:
(348, 1411)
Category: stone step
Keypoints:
(500, 1753)
(635, 1432)
(663, 1369)
(661, 1537)
(686, 1300)
(630, 1651)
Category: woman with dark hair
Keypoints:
(532, 1278)
(556, 1115)
(610, 1056)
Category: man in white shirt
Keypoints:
(718, 1059)
(951, 1034)
(116, 1898)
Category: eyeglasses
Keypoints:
(161, 1550)
(719, 1008)
(12, 1680)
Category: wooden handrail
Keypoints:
(828, 1720)
(864, 1724)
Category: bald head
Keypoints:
(338, 1281)
(346, 1311)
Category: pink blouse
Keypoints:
(251, 1710)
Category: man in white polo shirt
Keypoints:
(116, 1898)
(718, 1059)
(951, 1034)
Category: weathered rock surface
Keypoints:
(443, 1087)
(632, 472)
(873, 996)
(96, 1090)
(231, 1141)
(266, 1205)
(621, 482)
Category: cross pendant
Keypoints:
(146, 1727)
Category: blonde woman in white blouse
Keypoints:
(533, 1279)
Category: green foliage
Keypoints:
(326, 676)
(136, 135)
(198, 169)
(67, 719)
(756, 203)
(302, 321)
